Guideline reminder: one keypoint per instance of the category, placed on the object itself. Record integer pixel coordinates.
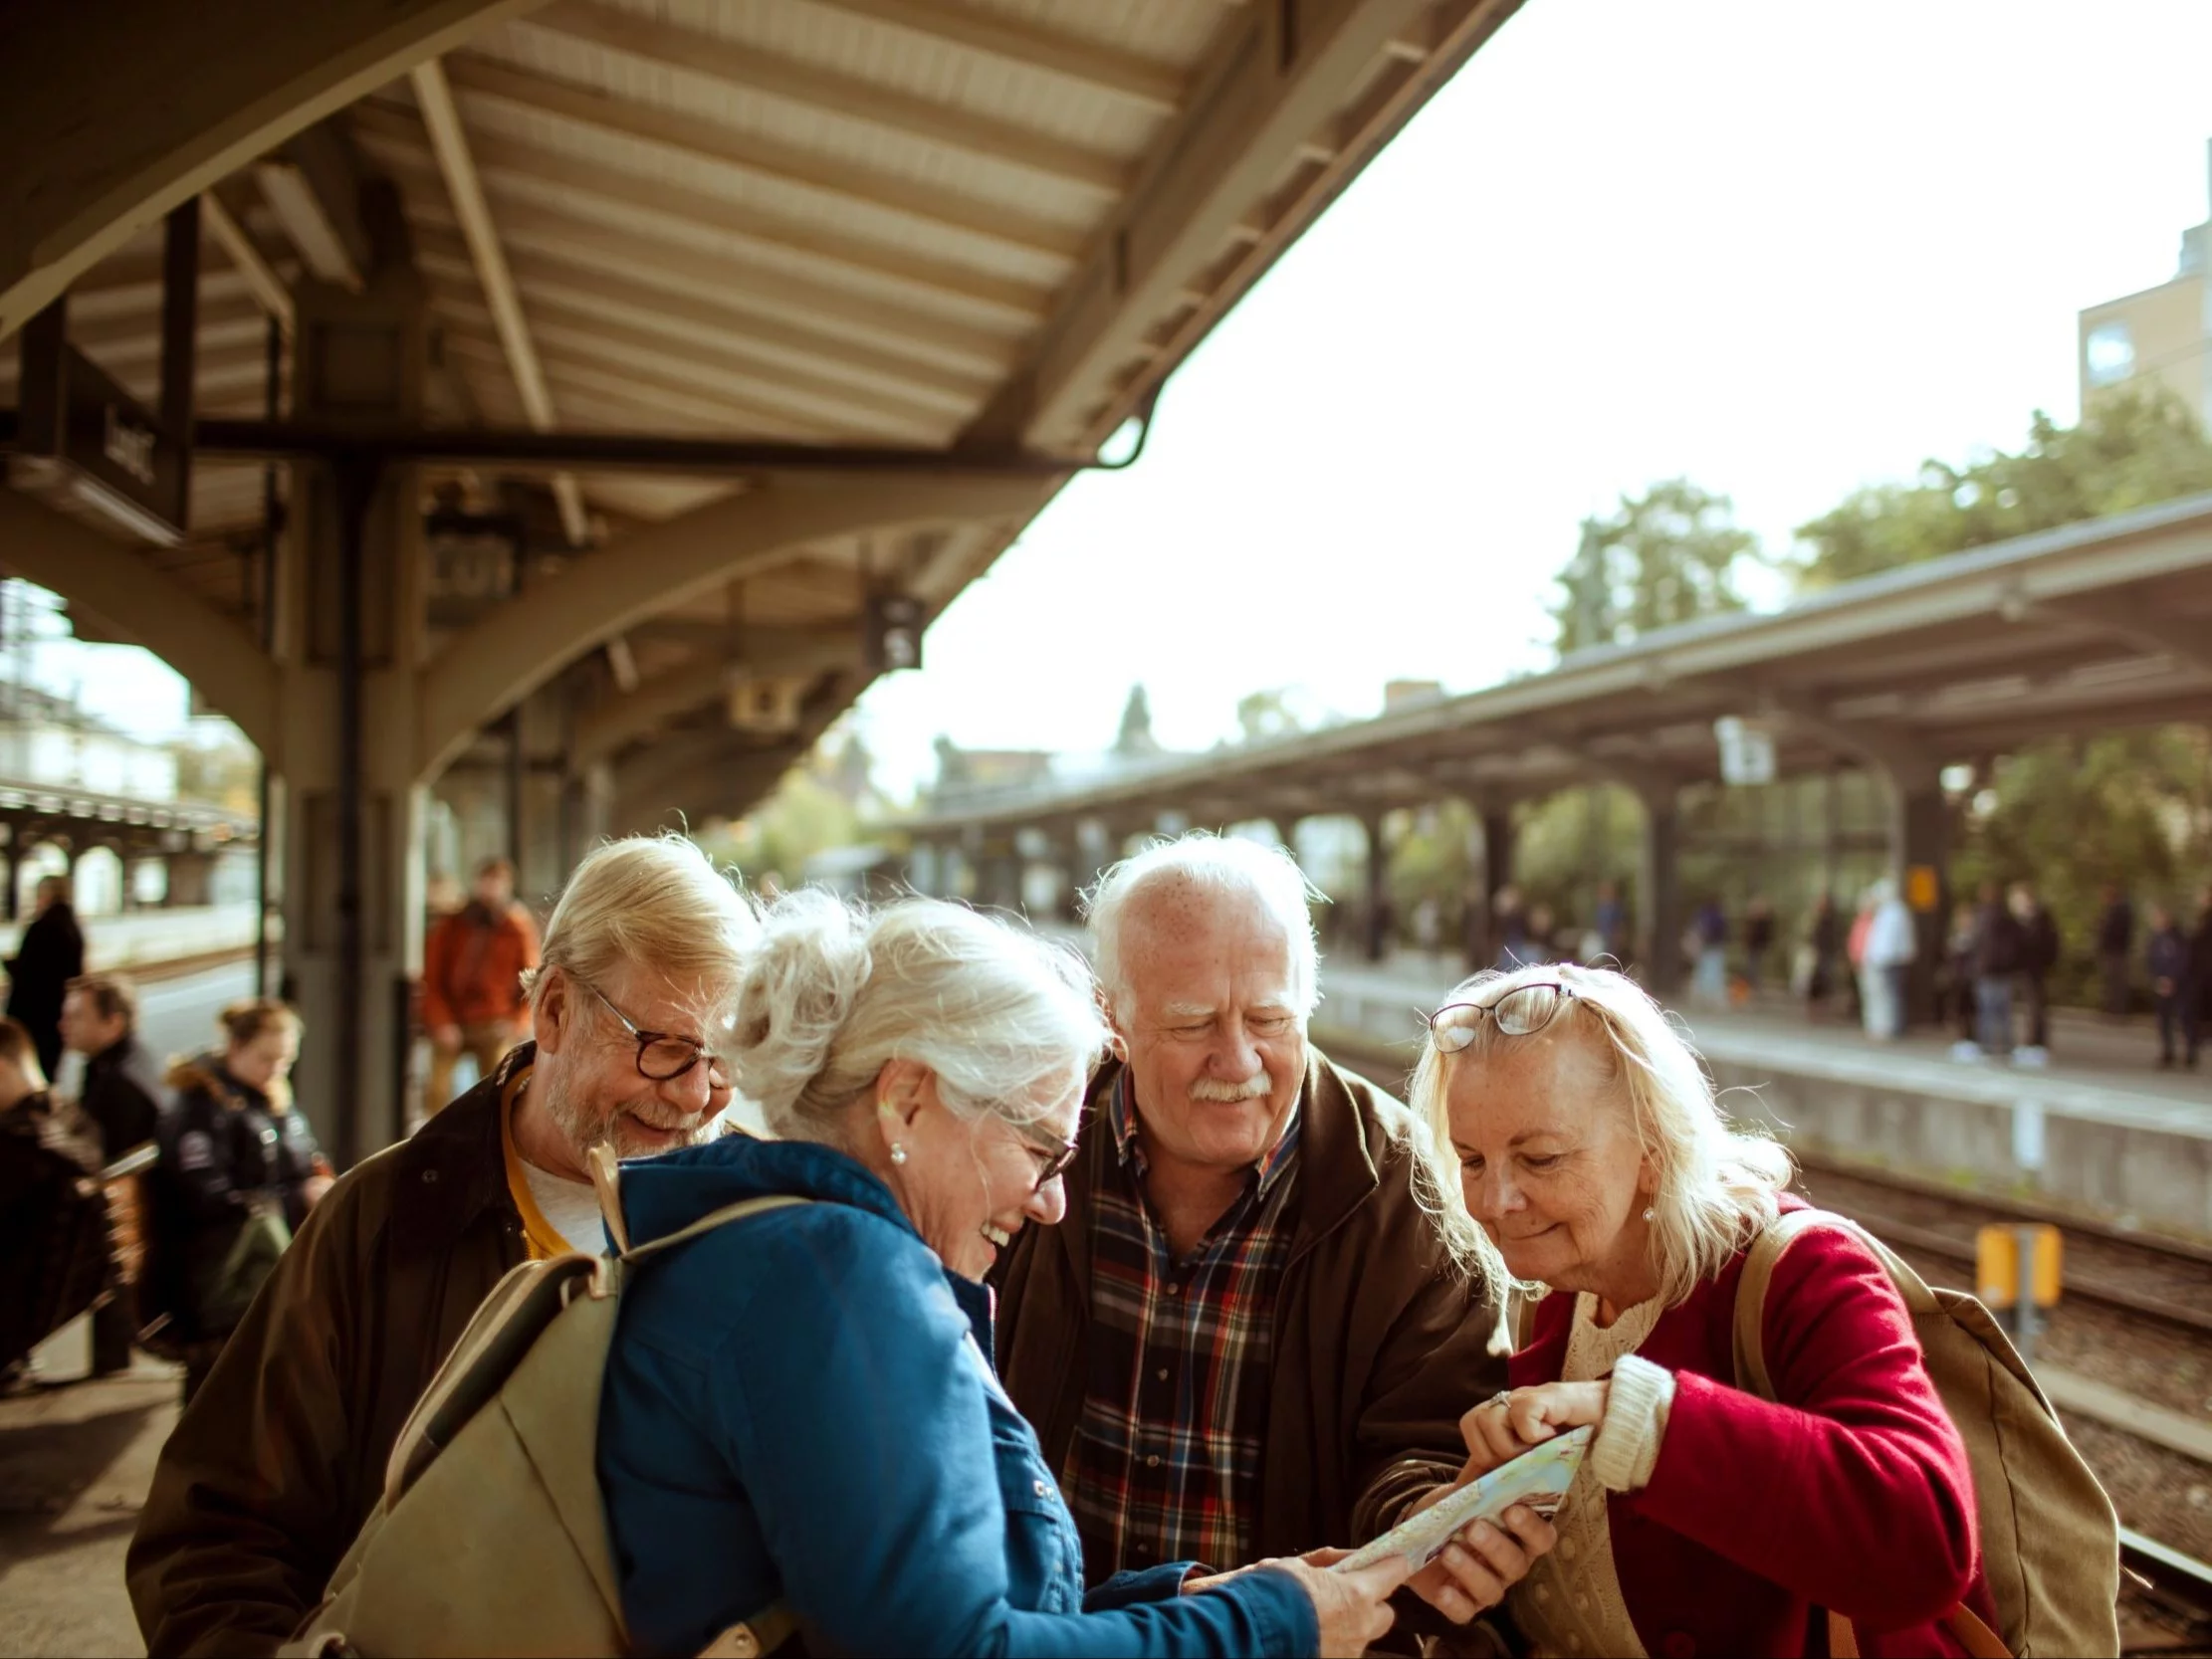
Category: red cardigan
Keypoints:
(1853, 1495)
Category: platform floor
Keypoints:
(2098, 1070)
(75, 1465)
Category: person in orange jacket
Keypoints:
(472, 980)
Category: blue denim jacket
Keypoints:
(800, 1407)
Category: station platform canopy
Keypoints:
(2100, 624)
(947, 246)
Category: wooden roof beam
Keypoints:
(585, 191)
(718, 144)
(451, 144)
(269, 290)
(834, 92)
(1144, 81)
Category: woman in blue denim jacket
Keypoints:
(800, 1408)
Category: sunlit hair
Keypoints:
(248, 1021)
(835, 991)
(655, 902)
(1718, 1183)
(1218, 863)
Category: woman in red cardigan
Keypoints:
(1705, 1520)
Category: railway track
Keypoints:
(2153, 1278)
(2174, 1585)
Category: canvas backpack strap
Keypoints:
(1751, 1293)
(606, 1182)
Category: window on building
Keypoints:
(2110, 352)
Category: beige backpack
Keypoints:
(2050, 1540)
(490, 1537)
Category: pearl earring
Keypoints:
(898, 1156)
(1646, 1214)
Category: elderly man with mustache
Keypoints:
(1255, 1333)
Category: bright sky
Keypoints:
(1783, 249)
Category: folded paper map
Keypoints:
(1538, 1479)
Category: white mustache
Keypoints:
(1212, 1089)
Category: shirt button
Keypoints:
(1153, 1462)
(1566, 1549)
(1678, 1644)
(1162, 1374)
(1041, 1488)
(430, 1177)
(1174, 1289)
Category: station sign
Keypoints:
(1746, 750)
(84, 443)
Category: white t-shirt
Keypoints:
(572, 1207)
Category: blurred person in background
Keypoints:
(472, 963)
(1599, 1167)
(1759, 939)
(1998, 952)
(124, 1094)
(239, 1172)
(278, 1459)
(799, 1407)
(55, 1244)
(1707, 944)
(1822, 939)
(1612, 919)
(1855, 955)
(2166, 958)
(1509, 926)
(1956, 987)
(49, 955)
(1885, 960)
(2115, 948)
(2039, 955)
(2196, 984)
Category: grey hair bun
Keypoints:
(805, 972)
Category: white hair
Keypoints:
(835, 991)
(1717, 1183)
(1219, 864)
(654, 902)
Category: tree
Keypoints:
(2135, 447)
(1670, 555)
(1263, 717)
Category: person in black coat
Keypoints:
(240, 1169)
(2116, 945)
(50, 954)
(2196, 984)
(123, 1095)
(2039, 955)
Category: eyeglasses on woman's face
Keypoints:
(662, 1056)
(1520, 1012)
(1053, 1157)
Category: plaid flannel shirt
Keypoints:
(1164, 1465)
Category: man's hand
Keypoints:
(1482, 1562)
(1500, 1429)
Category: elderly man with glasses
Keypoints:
(281, 1456)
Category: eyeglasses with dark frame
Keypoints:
(662, 1056)
(1054, 1162)
(1520, 1012)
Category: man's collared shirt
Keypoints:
(1165, 1461)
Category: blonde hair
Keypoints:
(653, 900)
(835, 991)
(1716, 1183)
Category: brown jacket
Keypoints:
(473, 964)
(1380, 1347)
(281, 1456)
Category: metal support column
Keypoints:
(1378, 888)
(1919, 847)
(272, 398)
(1497, 874)
(355, 477)
(1659, 893)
